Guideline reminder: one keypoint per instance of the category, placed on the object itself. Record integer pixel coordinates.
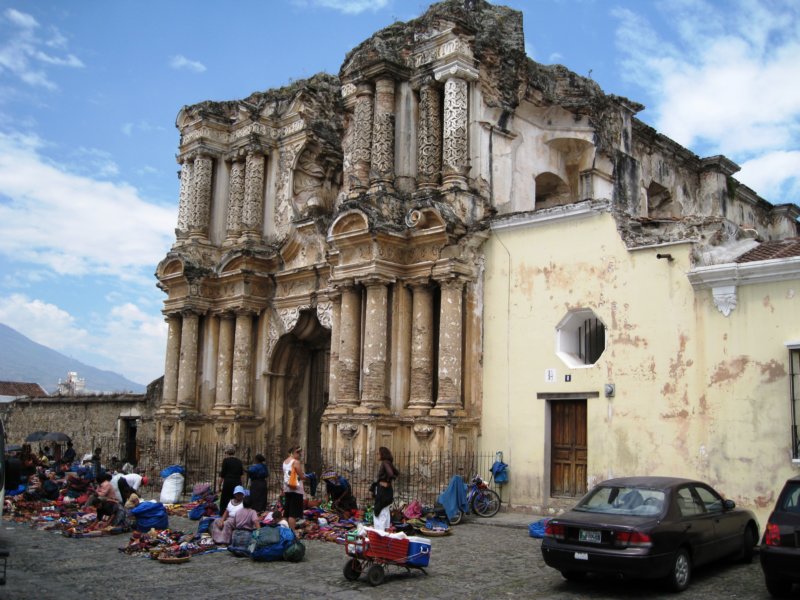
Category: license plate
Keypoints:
(581, 556)
(587, 535)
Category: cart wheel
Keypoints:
(352, 570)
(375, 575)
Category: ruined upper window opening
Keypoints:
(551, 190)
(580, 338)
(659, 202)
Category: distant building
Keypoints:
(9, 390)
(73, 386)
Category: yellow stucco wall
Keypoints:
(698, 394)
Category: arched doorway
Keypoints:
(299, 373)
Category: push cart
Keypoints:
(374, 553)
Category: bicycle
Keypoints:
(481, 500)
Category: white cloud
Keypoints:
(44, 323)
(144, 126)
(767, 175)
(181, 62)
(72, 223)
(348, 7)
(21, 53)
(129, 340)
(729, 82)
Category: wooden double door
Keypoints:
(568, 448)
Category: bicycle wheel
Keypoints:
(455, 520)
(486, 503)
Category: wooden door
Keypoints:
(568, 448)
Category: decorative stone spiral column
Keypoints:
(222, 397)
(185, 199)
(201, 201)
(170, 391)
(429, 136)
(455, 147)
(348, 371)
(373, 395)
(242, 362)
(421, 389)
(362, 142)
(450, 345)
(187, 370)
(253, 206)
(235, 199)
(381, 176)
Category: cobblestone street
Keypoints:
(483, 558)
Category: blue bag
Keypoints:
(171, 470)
(273, 551)
(500, 472)
(150, 515)
(197, 512)
(537, 529)
(204, 524)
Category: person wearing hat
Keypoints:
(223, 527)
(230, 476)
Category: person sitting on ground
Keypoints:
(222, 527)
(104, 490)
(340, 494)
(51, 488)
(277, 517)
(108, 512)
(34, 490)
(69, 454)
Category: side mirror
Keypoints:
(728, 505)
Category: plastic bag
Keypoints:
(537, 529)
(172, 489)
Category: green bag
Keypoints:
(295, 552)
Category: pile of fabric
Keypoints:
(167, 543)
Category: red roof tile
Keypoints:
(20, 388)
(773, 249)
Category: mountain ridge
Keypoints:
(23, 360)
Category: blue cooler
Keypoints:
(419, 551)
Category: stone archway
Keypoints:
(300, 368)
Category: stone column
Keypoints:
(171, 365)
(381, 176)
(222, 397)
(421, 389)
(429, 137)
(253, 206)
(450, 343)
(362, 142)
(187, 370)
(235, 200)
(185, 199)
(373, 395)
(242, 361)
(333, 381)
(201, 202)
(455, 147)
(349, 348)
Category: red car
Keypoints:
(648, 527)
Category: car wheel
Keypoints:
(779, 588)
(681, 573)
(574, 575)
(748, 545)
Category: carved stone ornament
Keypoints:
(423, 431)
(348, 430)
(289, 316)
(325, 314)
(167, 428)
(725, 298)
(221, 431)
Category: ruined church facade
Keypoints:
(326, 282)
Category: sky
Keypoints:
(90, 89)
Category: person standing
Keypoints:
(384, 493)
(97, 467)
(230, 476)
(257, 474)
(294, 495)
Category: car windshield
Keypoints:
(623, 500)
